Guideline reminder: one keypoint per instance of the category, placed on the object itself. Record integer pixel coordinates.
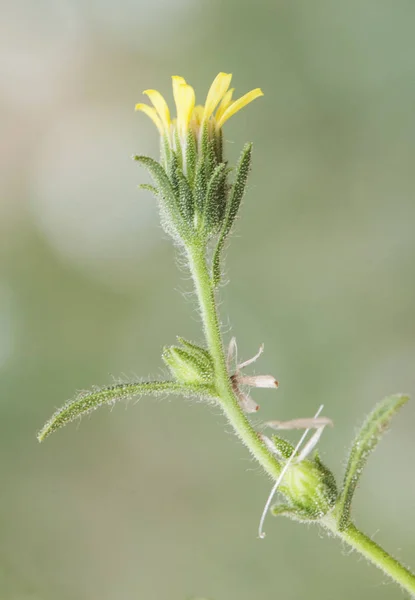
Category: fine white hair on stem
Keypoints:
(261, 532)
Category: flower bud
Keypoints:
(311, 488)
(190, 365)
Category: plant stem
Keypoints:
(228, 400)
(244, 430)
(375, 554)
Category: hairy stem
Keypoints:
(244, 430)
(376, 555)
(229, 402)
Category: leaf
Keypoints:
(87, 402)
(365, 442)
(235, 199)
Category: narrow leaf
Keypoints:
(234, 202)
(86, 402)
(365, 442)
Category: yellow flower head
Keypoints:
(196, 199)
(190, 116)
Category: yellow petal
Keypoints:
(238, 104)
(161, 107)
(198, 113)
(152, 113)
(216, 92)
(177, 82)
(226, 100)
(185, 105)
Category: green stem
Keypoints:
(229, 402)
(244, 430)
(376, 555)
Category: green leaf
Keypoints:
(86, 402)
(364, 444)
(234, 202)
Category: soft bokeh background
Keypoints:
(159, 501)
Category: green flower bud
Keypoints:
(311, 488)
(191, 364)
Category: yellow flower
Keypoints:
(190, 116)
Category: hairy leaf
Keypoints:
(365, 442)
(86, 402)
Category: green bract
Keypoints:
(308, 486)
(197, 202)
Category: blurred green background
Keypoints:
(160, 501)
